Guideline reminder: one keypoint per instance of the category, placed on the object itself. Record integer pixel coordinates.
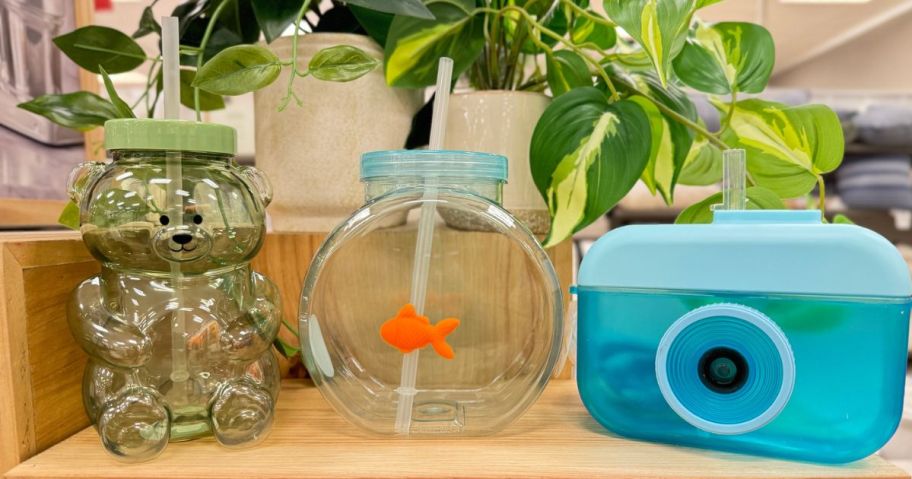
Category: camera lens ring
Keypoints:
(730, 314)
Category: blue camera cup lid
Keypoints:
(788, 252)
(434, 164)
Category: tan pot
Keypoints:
(502, 122)
(311, 153)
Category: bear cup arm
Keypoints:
(103, 334)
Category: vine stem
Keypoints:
(294, 57)
(821, 196)
(559, 38)
(679, 117)
(726, 122)
(582, 11)
(202, 52)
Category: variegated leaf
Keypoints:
(703, 165)
(414, 45)
(670, 143)
(787, 147)
(659, 26)
(758, 198)
(727, 57)
(587, 31)
(566, 70)
(586, 154)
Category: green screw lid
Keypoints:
(171, 135)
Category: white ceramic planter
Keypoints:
(311, 153)
(502, 122)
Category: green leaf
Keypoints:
(566, 71)
(670, 143)
(208, 101)
(586, 30)
(376, 24)
(274, 16)
(787, 147)
(123, 110)
(238, 17)
(703, 165)
(727, 57)
(80, 110)
(69, 217)
(94, 47)
(341, 63)
(415, 45)
(586, 154)
(147, 23)
(515, 26)
(285, 349)
(407, 8)
(236, 25)
(659, 26)
(635, 61)
(841, 219)
(705, 3)
(237, 70)
(758, 198)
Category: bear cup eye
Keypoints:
(164, 220)
(198, 219)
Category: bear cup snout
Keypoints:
(182, 243)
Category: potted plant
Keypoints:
(312, 153)
(620, 113)
(220, 57)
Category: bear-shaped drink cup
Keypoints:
(174, 356)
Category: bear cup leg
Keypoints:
(241, 413)
(134, 426)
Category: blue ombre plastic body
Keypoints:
(765, 332)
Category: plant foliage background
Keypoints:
(620, 114)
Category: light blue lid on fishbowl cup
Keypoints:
(763, 332)
(433, 164)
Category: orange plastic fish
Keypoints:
(409, 331)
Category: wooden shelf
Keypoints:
(556, 438)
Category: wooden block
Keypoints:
(28, 213)
(556, 439)
(40, 364)
(284, 259)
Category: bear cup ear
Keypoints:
(81, 178)
(258, 183)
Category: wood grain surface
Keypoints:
(24, 213)
(555, 438)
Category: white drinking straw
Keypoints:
(423, 244)
(171, 92)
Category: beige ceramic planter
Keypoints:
(502, 122)
(311, 153)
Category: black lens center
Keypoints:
(723, 370)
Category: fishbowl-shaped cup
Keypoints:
(765, 332)
(483, 345)
(178, 328)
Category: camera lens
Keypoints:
(722, 370)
